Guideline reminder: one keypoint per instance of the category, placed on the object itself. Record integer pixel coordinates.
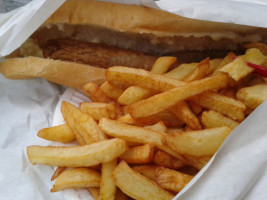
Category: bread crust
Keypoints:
(64, 73)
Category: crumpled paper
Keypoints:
(238, 170)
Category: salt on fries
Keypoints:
(146, 134)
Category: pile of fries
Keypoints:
(146, 134)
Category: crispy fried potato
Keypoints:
(82, 123)
(171, 180)
(197, 143)
(70, 113)
(141, 78)
(196, 109)
(76, 178)
(61, 133)
(162, 64)
(227, 106)
(107, 185)
(120, 195)
(95, 192)
(212, 119)
(253, 96)
(200, 72)
(139, 154)
(197, 162)
(182, 71)
(182, 111)
(165, 160)
(160, 126)
(238, 68)
(77, 156)
(227, 59)
(135, 134)
(133, 94)
(162, 101)
(99, 110)
(93, 91)
(125, 178)
(111, 91)
(57, 172)
(166, 178)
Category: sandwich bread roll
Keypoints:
(103, 34)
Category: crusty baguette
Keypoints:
(64, 73)
(143, 29)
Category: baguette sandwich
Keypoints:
(84, 37)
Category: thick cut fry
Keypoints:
(76, 178)
(253, 96)
(175, 130)
(135, 134)
(61, 133)
(125, 178)
(182, 111)
(227, 106)
(141, 78)
(70, 113)
(197, 162)
(182, 71)
(197, 143)
(171, 180)
(166, 178)
(77, 156)
(160, 102)
(99, 110)
(160, 127)
(168, 118)
(148, 171)
(200, 72)
(212, 119)
(93, 91)
(262, 47)
(95, 192)
(82, 123)
(133, 94)
(238, 68)
(227, 59)
(107, 185)
(139, 154)
(57, 172)
(196, 109)
(214, 64)
(162, 64)
(165, 160)
(111, 91)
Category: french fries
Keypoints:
(239, 69)
(107, 185)
(253, 96)
(76, 178)
(165, 160)
(162, 101)
(111, 91)
(227, 106)
(197, 143)
(61, 133)
(77, 156)
(172, 122)
(138, 154)
(212, 119)
(125, 177)
(99, 110)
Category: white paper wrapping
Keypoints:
(237, 172)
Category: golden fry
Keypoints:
(165, 160)
(197, 143)
(162, 101)
(76, 178)
(93, 91)
(110, 90)
(77, 156)
(182, 71)
(125, 178)
(162, 64)
(61, 133)
(57, 172)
